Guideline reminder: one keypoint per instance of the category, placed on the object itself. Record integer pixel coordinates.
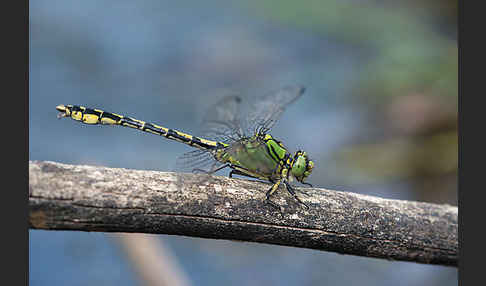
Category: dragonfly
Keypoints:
(242, 144)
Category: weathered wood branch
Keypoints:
(91, 198)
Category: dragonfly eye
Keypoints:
(302, 166)
(308, 168)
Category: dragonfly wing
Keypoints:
(220, 123)
(266, 110)
(196, 159)
(222, 120)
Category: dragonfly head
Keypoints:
(301, 166)
(63, 110)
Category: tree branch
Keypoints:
(91, 198)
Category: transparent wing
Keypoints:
(196, 159)
(222, 121)
(265, 111)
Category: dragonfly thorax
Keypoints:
(299, 166)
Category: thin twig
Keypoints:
(152, 261)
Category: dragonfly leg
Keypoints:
(270, 192)
(238, 172)
(308, 184)
(211, 171)
(291, 190)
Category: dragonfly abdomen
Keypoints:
(97, 116)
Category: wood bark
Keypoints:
(94, 198)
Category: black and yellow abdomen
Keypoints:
(97, 116)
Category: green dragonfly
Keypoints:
(241, 144)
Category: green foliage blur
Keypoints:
(407, 84)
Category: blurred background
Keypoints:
(379, 117)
